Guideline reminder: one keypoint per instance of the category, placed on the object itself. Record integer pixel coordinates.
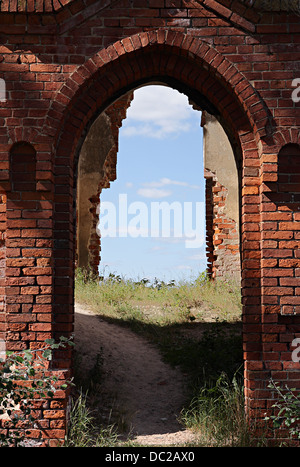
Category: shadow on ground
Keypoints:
(144, 383)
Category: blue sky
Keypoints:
(160, 160)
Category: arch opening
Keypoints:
(98, 167)
(106, 173)
(235, 102)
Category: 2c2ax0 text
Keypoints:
(170, 456)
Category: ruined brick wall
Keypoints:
(222, 193)
(64, 63)
(2, 264)
(97, 168)
(222, 233)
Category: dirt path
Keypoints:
(150, 393)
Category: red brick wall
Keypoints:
(222, 233)
(63, 63)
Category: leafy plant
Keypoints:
(25, 377)
(287, 409)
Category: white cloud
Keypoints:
(167, 181)
(153, 193)
(183, 267)
(157, 112)
(197, 257)
(157, 248)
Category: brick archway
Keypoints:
(181, 60)
(213, 82)
(208, 79)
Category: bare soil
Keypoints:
(146, 393)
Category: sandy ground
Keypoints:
(149, 393)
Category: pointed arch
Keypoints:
(180, 60)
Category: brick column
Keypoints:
(251, 233)
(30, 310)
(280, 264)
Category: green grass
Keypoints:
(197, 326)
(217, 414)
(159, 302)
(84, 431)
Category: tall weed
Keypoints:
(217, 414)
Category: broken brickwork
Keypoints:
(65, 62)
(222, 202)
(222, 233)
(96, 169)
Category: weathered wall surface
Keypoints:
(222, 202)
(95, 149)
(97, 167)
(64, 62)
